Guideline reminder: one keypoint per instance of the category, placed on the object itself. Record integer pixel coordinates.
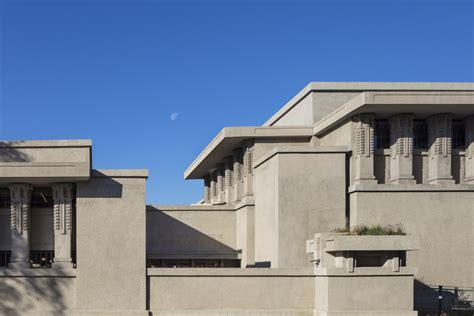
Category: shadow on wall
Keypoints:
(454, 301)
(20, 294)
(10, 154)
(167, 235)
(101, 186)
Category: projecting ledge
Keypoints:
(65, 273)
(372, 243)
(411, 188)
(364, 271)
(238, 272)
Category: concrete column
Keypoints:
(238, 177)
(63, 195)
(363, 148)
(401, 149)
(248, 167)
(20, 195)
(207, 189)
(229, 181)
(439, 154)
(469, 159)
(220, 184)
(213, 185)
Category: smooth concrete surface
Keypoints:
(221, 289)
(111, 241)
(45, 161)
(442, 219)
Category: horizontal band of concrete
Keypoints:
(411, 188)
(119, 173)
(234, 312)
(246, 201)
(372, 243)
(194, 255)
(364, 272)
(38, 272)
(301, 150)
(46, 143)
(240, 272)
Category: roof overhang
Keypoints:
(328, 87)
(230, 138)
(387, 103)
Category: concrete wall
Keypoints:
(296, 195)
(289, 290)
(187, 231)
(111, 241)
(33, 293)
(444, 220)
(245, 234)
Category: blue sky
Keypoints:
(152, 82)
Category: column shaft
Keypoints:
(229, 181)
(20, 224)
(401, 149)
(237, 178)
(469, 158)
(207, 189)
(248, 167)
(363, 148)
(62, 223)
(439, 154)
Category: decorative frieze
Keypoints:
(237, 157)
(439, 153)
(229, 181)
(20, 195)
(401, 148)
(469, 157)
(363, 147)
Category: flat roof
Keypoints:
(46, 143)
(231, 137)
(367, 86)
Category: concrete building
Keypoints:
(268, 236)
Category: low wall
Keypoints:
(236, 291)
(26, 291)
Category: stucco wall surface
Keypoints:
(227, 288)
(111, 242)
(443, 220)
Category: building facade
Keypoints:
(270, 235)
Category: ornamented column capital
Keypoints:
(20, 196)
(63, 194)
(363, 147)
(401, 148)
(439, 153)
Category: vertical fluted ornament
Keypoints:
(401, 149)
(439, 153)
(20, 195)
(469, 156)
(237, 174)
(363, 147)
(63, 197)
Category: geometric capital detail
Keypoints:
(363, 125)
(439, 153)
(63, 194)
(248, 156)
(20, 195)
(401, 135)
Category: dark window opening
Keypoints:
(382, 134)
(41, 259)
(193, 263)
(420, 134)
(4, 198)
(459, 134)
(42, 198)
(5, 256)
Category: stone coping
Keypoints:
(301, 150)
(367, 86)
(45, 143)
(195, 255)
(236, 272)
(246, 201)
(365, 271)
(411, 188)
(231, 137)
(370, 242)
(38, 272)
(119, 173)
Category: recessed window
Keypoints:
(42, 198)
(4, 198)
(420, 134)
(382, 134)
(459, 134)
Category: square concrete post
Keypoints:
(238, 178)
(363, 148)
(469, 158)
(401, 149)
(62, 223)
(439, 154)
(248, 167)
(20, 195)
(213, 185)
(229, 182)
(207, 189)
(220, 184)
